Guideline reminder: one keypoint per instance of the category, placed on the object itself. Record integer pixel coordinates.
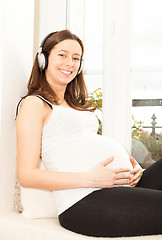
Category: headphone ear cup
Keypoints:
(46, 61)
(42, 61)
(42, 58)
(80, 67)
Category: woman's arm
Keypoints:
(29, 124)
(32, 116)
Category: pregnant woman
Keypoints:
(99, 190)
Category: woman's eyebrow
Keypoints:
(68, 51)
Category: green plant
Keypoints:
(96, 98)
(137, 128)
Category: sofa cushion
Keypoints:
(35, 203)
(13, 226)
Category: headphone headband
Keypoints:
(44, 40)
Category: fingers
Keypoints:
(123, 176)
(121, 170)
(134, 181)
(133, 161)
(134, 171)
(127, 177)
(122, 179)
(107, 161)
(137, 174)
(121, 182)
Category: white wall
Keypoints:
(117, 71)
(51, 18)
(16, 60)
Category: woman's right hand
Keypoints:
(101, 176)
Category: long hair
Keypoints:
(76, 92)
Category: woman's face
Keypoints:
(63, 62)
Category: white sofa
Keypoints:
(14, 226)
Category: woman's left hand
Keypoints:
(137, 172)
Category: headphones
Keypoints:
(42, 58)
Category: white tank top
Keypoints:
(70, 143)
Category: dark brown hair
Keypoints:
(76, 92)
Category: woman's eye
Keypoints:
(76, 59)
(61, 55)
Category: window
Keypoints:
(85, 18)
(147, 80)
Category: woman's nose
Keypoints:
(69, 61)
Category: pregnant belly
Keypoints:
(85, 152)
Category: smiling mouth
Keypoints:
(65, 71)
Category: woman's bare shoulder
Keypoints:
(31, 105)
(31, 99)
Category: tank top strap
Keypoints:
(19, 103)
(45, 100)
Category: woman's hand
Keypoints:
(102, 176)
(137, 172)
